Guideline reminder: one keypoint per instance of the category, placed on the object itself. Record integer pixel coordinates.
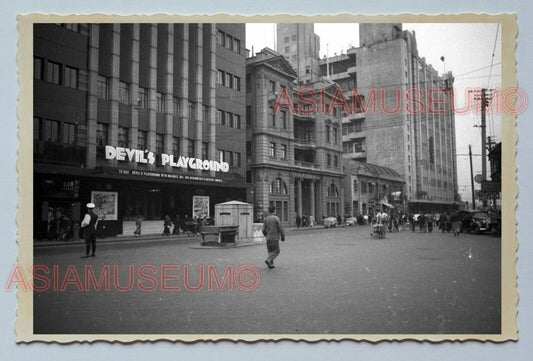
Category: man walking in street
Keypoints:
(273, 232)
(89, 229)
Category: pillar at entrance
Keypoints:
(299, 196)
(312, 195)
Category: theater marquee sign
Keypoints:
(147, 157)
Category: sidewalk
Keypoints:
(148, 237)
(120, 238)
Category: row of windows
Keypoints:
(77, 79)
(332, 134)
(78, 28)
(335, 160)
(54, 131)
(356, 127)
(228, 41)
(231, 157)
(102, 139)
(368, 187)
(228, 119)
(60, 74)
(273, 150)
(287, 39)
(283, 118)
(332, 208)
(357, 146)
(228, 80)
(278, 186)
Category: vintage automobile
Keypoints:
(475, 221)
(330, 222)
(351, 221)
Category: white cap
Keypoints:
(90, 205)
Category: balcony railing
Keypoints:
(303, 164)
(357, 154)
(354, 135)
(307, 142)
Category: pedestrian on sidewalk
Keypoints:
(166, 226)
(138, 224)
(273, 231)
(177, 224)
(89, 224)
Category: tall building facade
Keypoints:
(295, 158)
(403, 119)
(139, 118)
(299, 44)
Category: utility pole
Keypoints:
(483, 137)
(472, 177)
(485, 96)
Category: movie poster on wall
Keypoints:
(106, 205)
(200, 207)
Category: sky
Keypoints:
(471, 51)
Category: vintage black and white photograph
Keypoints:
(313, 180)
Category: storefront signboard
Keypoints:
(147, 157)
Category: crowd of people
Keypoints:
(59, 226)
(394, 221)
(306, 220)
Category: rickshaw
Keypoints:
(378, 229)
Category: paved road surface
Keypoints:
(327, 281)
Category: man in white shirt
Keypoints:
(88, 225)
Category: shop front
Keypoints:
(123, 191)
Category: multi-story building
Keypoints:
(369, 187)
(299, 44)
(138, 118)
(295, 158)
(403, 118)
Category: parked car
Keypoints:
(351, 221)
(475, 221)
(495, 225)
(330, 222)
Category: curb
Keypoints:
(45, 244)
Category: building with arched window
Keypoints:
(368, 187)
(294, 157)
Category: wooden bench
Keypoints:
(225, 234)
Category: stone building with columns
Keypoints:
(294, 159)
(139, 118)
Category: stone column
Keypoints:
(169, 90)
(152, 88)
(198, 86)
(211, 102)
(114, 85)
(92, 97)
(312, 197)
(134, 130)
(299, 196)
(184, 84)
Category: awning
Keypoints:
(387, 204)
